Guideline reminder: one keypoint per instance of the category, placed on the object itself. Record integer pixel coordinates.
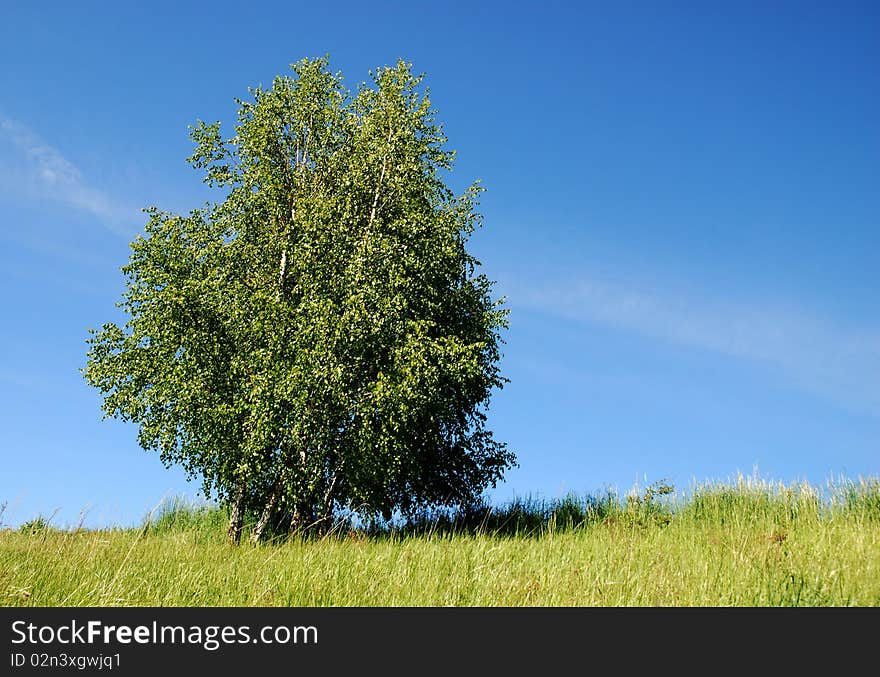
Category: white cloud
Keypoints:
(34, 167)
(840, 364)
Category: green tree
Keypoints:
(320, 337)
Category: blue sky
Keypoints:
(682, 208)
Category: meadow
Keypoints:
(745, 543)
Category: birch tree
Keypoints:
(320, 337)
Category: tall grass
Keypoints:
(744, 543)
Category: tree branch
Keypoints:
(381, 179)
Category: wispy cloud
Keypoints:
(841, 364)
(34, 167)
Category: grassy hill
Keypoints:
(747, 543)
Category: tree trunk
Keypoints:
(303, 518)
(236, 517)
(324, 522)
(303, 508)
(266, 515)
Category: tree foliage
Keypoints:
(320, 337)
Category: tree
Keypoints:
(320, 337)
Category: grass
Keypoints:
(750, 543)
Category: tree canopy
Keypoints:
(318, 338)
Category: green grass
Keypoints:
(750, 543)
